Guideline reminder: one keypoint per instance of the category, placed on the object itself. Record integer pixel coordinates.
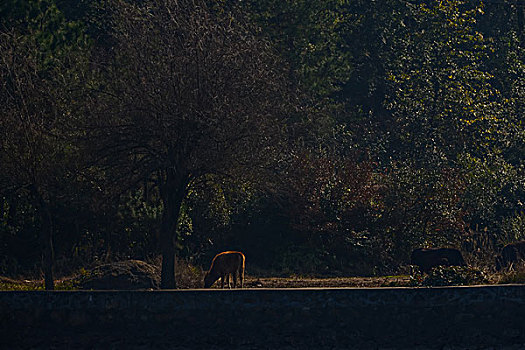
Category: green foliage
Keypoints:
(448, 276)
(441, 93)
(301, 260)
(15, 11)
(42, 22)
(417, 136)
(513, 228)
(494, 193)
(423, 207)
(310, 36)
(134, 235)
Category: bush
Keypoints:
(516, 276)
(187, 275)
(448, 276)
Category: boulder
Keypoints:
(122, 275)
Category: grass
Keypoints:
(514, 276)
(7, 284)
(189, 276)
(396, 281)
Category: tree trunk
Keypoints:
(47, 250)
(46, 237)
(174, 191)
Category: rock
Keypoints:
(123, 275)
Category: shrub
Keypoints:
(516, 276)
(187, 275)
(448, 276)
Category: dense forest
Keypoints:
(318, 137)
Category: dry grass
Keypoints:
(8, 284)
(512, 275)
(188, 276)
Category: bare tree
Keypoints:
(192, 91)
(36, 153)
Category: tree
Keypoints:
(310, 35)
(41, 55)
(440, 94)
(499, 189)
(455, 114)
(191, 91)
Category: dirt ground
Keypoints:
(331, 282)
(254, 282)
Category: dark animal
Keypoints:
(428, 258)
(511, 254)
(222, 266)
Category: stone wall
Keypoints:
(398, 318)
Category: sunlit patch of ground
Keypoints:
(331, 282)
(250, 282)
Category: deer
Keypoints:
(222, 266)
(511, 255)
(428, 258)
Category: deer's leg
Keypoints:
(241, 276)
(234, 275)
(222, 282)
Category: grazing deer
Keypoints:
(511, 254)
(222, 266)
(428, 258)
